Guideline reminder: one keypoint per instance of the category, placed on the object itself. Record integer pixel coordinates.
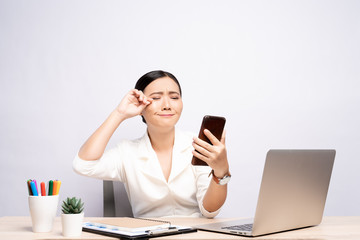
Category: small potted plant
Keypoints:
(72, 217)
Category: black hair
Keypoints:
(149, 77)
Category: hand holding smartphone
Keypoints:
(215, 125)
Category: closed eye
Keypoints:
(174, 95)
(156, 96)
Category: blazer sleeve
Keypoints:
(203, 181)
(108, 167)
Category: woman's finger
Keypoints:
(211, 137)
(223, 137)
(201, 150)
(141, 97)
(200, 156)
(202, 143)
(147, 100)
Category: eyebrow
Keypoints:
(162, 93)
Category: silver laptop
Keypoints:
(292, 194)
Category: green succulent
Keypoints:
(72, 206)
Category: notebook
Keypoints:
(134, 228)
(292, 194)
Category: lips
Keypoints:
(166, 115)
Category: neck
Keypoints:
(162, 140)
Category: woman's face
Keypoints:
(167, 105)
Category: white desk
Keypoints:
(340, 228)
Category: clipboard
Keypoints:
(134, 228)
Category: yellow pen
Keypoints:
(58, 187)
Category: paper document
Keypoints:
(134, 227)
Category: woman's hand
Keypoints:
(133, 104)
(214, 155)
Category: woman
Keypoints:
(156, 169)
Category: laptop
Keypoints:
(292, 194)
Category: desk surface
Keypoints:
(13, 228)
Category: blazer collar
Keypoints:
(180, 157)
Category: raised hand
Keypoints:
(214, 155)
(133, 103)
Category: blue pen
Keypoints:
(33, 188)
(37, 190)
(36, 185)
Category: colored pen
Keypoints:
(43, 191)
(50, 188)
(33, 188)
(29, 187)
(58, 187)
(36, 186)
(55, 187)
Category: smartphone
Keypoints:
(215, 125)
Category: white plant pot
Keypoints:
(72, 224)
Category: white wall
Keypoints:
(285, 74)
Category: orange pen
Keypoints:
(55, 187)
(43, 191)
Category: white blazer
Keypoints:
(135, 163)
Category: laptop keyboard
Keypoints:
(243, 227)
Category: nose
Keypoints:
(166, 104)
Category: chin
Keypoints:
(165, 124)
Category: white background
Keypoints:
(285, 74)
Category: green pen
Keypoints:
(50, 188)
(29, 187)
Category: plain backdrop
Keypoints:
(285, 74)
